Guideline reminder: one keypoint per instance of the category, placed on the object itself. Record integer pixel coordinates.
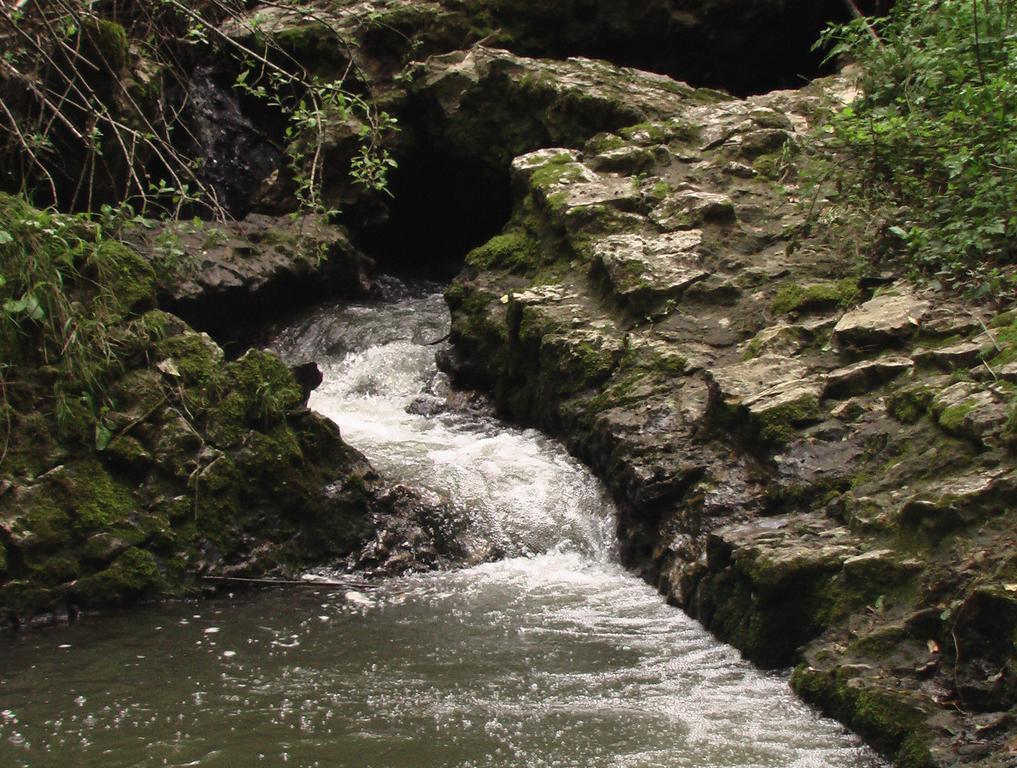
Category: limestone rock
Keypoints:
(778, 393)
(967, 409)
(883, 321)
(865, 375)
(645, 272)
(693, 208)
(216, 275)
(961, 355)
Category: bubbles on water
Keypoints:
(520, 492)
(553, 658)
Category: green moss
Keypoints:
(43, 521)
(266, 385)
(3, 559)
(1004, 350)
(660, 133)
(75, 419)
(559, 170)
(133, 574)
(795, 297)
(98, 501)
(952, 419)
(128, 452)
(881, 643)
(627, 387)
(55, 570)
(1010, 430)
(512, 251)
(659, 191)
(604, 142)
(33, 447)
(888, 720)
(770, 165)
(316, 46)
(778, 425)
(196, 357)
(127, 279)
(910, 404)
(24, 597)
(107, 39)
(480, 328)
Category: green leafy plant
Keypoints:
(67, 298)
(85, 120)
(930, 143)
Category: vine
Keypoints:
(84, 119)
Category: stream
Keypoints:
(553, 655)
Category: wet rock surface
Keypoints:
(194, 467)
(794, 466)
(227, 278)
(818, 468)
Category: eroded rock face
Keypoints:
(193, 467)
(227, 277)
(792, 463)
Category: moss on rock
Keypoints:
(108, 42)
(890, 721)
(796, 297)
(512, 251)
(780, 424)
(909, 404)
(133, 574)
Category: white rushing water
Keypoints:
(551, 656)
(561, 581)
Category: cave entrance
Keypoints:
(442, 206)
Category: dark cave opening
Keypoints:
(442, 206)
(744, 49)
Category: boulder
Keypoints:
(884, 321)
(645, 272)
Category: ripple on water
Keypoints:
(554, 657)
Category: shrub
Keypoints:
(931, 138)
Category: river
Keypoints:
(553, 655)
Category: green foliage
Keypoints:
(64, 290)
(83, 120)
(931, 138)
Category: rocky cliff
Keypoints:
(815, 463)
(813, 458)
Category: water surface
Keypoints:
(552, 656)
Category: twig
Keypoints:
(290, 582)
(857, 13)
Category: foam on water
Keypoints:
(552, 657)
(521, 491)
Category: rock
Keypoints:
(693, 208)
(566, 102)
(763, 579)
(782, 340)
(811, 297)
(228, 274)
(785, 532)
(308, 377)
(1008, 372)
(968, 410)
(959, 500)
(644, 272)
(983, 630)
(865, 375)
(886, 320)
(961, 355)
(879, 570)
(777, 392)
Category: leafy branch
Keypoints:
(85, 118)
